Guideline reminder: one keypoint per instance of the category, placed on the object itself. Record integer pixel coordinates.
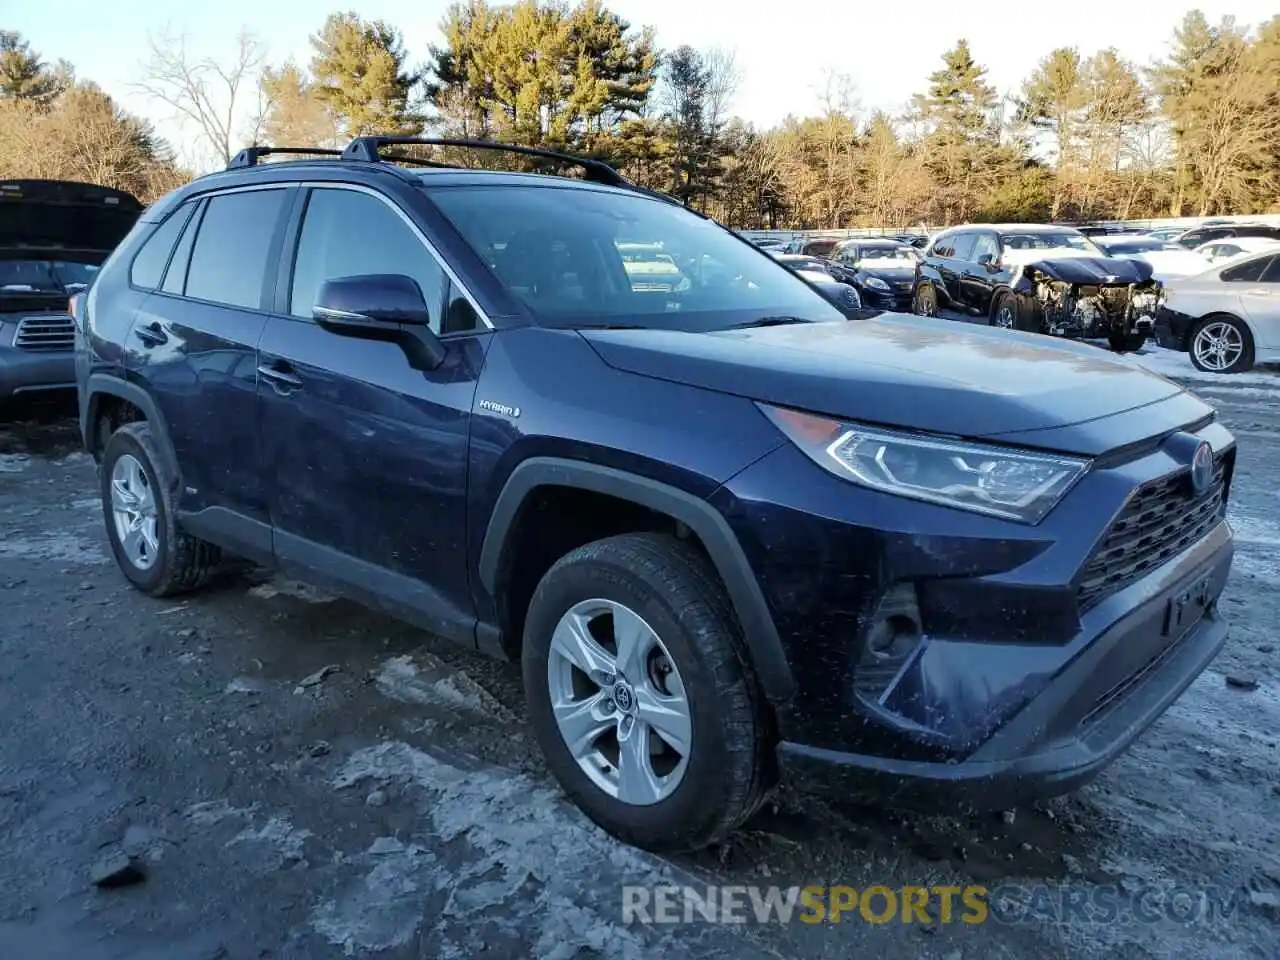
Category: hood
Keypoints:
(937, 376)
(43, 214)
(1079, 266)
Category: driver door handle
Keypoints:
(279, 376)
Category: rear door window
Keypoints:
(175, 278)
(233, 247)
(1250, 272)
(150, 261)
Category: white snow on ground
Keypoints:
(432, 682)
(14, 462)
(1177, 365)
(279, 834)
(61, 547)
(531, 861)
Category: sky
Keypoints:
(786, 51)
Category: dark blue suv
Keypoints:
(731, 535)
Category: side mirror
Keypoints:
(381, 306)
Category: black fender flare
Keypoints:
(761, 634)
(106, 384)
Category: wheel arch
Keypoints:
(100, 390)
(701, 518)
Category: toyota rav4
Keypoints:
(731, 536)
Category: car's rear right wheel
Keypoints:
(1221, 343)
(639, 695)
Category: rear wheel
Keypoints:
(137, 500)
(926, 300)
(1221, 344)
(639, 695)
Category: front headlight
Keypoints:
(1018, 485)
(875, 283)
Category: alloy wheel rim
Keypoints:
(1004, 317)
(619, 702)
(133, 509)
(1218, 346)
(925, 302)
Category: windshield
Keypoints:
(566, 253)
(896, 252)
(1048, 241)
(51, 276)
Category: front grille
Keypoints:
(1159, 522)
(45, 333)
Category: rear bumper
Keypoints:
(1079, 723)
(30, 371)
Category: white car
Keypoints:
(1167, 259)
(1215, 251)
(1227, 318)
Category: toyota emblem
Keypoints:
(1202, 469)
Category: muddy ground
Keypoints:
(395, 805)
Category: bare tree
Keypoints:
(724, 78)
(206, 92)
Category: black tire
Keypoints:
(182, 563)
(1242, 363)
(1126, 342)
(677, 592)
(1009, 303)
(925, 302)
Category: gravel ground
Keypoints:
(297, 777)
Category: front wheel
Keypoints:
(1221, 344)
(639, 695)
(926, 300)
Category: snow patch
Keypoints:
(14, 462)
(215, 811)
(532, 861)
(437, 684)
(62, 547)
(290, 588)
(1177, 366)
(278, 833)
(384, 908)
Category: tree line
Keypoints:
(1088, 135)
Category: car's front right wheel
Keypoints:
(639, 692)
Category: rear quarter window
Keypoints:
(150, 261)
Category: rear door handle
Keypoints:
(279, 376)
(152, 335)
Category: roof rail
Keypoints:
(597, 171)
(249, 156)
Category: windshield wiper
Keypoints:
(768, 322)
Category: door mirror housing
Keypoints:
(381, 306)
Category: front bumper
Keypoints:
(895, 299)
(1171, 329)
(31, 371)
(1020, 630)
(1077, 725)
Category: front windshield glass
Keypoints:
(1048, 241)
(582, 258)
(43, 276)
(901, 254)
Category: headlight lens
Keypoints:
(875, 283)
(1014, 484)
